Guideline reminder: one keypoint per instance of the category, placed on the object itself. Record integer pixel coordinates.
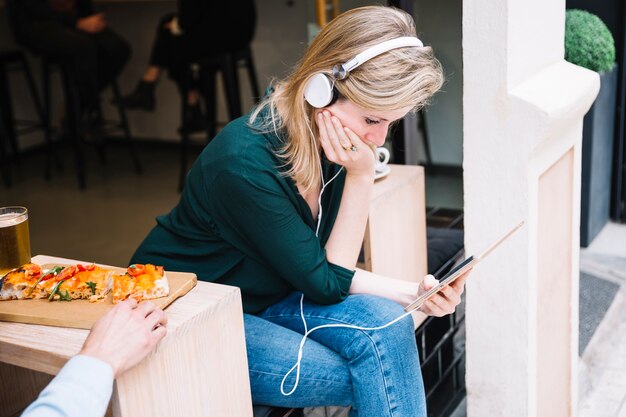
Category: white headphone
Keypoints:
(320, 88)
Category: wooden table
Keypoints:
(395, 237)
(199, 369)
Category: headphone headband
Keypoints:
(320, 92)
(345, 68)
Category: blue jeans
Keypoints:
(376, 372)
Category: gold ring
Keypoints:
(354, 148)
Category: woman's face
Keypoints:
(370, 126)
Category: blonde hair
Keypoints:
(400, 78)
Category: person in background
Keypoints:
(117, 342)
(198, 29)
(277, 205)
(73, 32)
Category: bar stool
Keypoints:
(73, 111)
(228, 65)
(11, 128)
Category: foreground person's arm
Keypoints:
(118, 341)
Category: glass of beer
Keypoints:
(14, 238)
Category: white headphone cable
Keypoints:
(323, 326)
(324, 184)
(319, 200)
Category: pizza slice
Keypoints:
(64, 283)
(141, 282)
(82, 282)
(19, 283)
(44, 284)
(31, 281)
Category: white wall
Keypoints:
(523, 110)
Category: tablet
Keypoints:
(459, 270)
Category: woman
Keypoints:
(277, 205)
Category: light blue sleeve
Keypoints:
(82, 388)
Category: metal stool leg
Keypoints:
(125, 126)
(52, 156)
(96, 124)
(209, 93)
(6, 108)
(184, 138)
(30, 81)
(252, 74)
(231, 84)
(45, 77)
(4, 162)
(28, 75)
(73, 120)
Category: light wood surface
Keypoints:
(81, 314)
(199, 369)
(395, 237)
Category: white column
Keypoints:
(523, 107)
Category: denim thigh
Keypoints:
(383, 364)
(272, 349)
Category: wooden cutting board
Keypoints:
(82, 314)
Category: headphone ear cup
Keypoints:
(319, 91)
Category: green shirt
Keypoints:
(241, 222)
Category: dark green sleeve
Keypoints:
(254, 214)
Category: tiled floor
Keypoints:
(602, 372)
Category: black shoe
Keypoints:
(142, 97)
(195, 120)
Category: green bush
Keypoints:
(588, 41)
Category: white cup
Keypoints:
(382, 158)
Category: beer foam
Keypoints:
(11, 219)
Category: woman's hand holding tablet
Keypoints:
(451, 279)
